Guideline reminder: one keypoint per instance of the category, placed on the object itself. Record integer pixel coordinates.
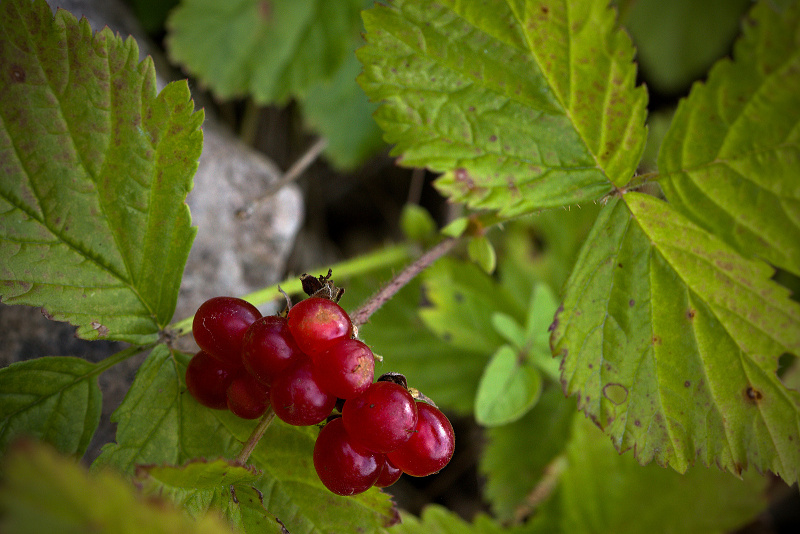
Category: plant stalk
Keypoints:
(255, 437)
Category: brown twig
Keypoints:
(363, 314)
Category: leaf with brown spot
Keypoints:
(695, 360)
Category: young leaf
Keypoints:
(598, 484)
(55, 399)
(96, 167)
(523, 105)
(517, 454)
(730, 158)
(481, 251)
(159, 422)
(509, 387)
(43, 492)
(417, 223)
(271, 51)
(671, 341)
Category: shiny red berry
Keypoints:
(297, 397)
(316, 323)
(343, 466)
(247, 397)
(207, 379)
(346, 369)
(219, 327)
(431, 446)
(268, 348)
(382, 418)
(389, 475)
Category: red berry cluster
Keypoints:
(304, 366)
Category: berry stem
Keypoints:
(363, 314)
(255, 437)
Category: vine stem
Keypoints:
(255, 437)
(363, 314)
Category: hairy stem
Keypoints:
(363, 314)
(255, 437)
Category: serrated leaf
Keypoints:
(437, 519)
(677, 41)
(96, 167)
(509, 387)
(271, 51)
(159, 422)
(43, 492)
(730, 159)
(596, 489)
(523, 105)
(339, 111)
(517, 454)
(671, 341)
(55, 399)
(219, 486)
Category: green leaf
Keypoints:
(218, 486)
(517, 454)
(271, 51)
(43, 492)
(523, 105)
(339, 110)
(677, 41)
(159, 422)
(439, 520)
(509, 328)
(456, 227)
(671, 341)
(96, 167)
(481, 251)
(731, 156)
(55, 399)
(597, 486)
(509, 387)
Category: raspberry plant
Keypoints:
(655, 314)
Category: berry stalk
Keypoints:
(255, 437)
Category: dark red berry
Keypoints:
(296, 396)
(220, 324)
(316, 323)
(431, 446)
(268, 348)
(389, 475)
(346, 369)
(247, 397)
(343, 466)
(207, 379)
(382, 418)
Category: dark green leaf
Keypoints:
(96, 167)
(55, 399)
(730, 159)
(523, 105)
(271, 51)
(671, 341)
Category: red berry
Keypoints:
(382, 418)
(220, 324)
(346, 369)
(343, 466)
(207, 379)
(296, 396)
(389, 475)
(247, 397)
(316, 323)
(431, 446)
(268, 348)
